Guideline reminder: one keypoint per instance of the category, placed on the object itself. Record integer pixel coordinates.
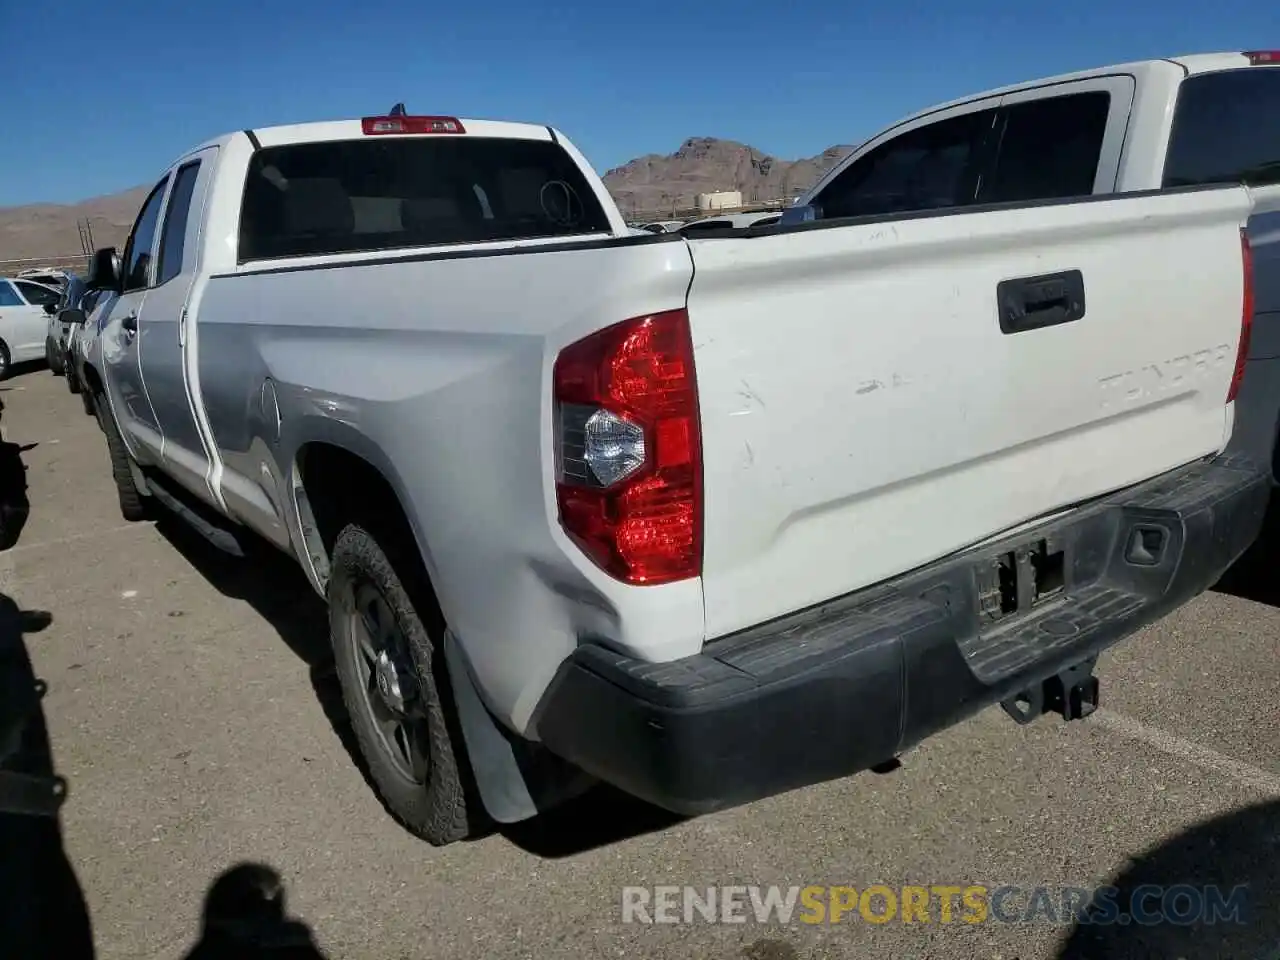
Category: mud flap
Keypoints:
(517, 779)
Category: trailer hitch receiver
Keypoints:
(1072, 692)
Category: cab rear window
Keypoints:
(313, 199)
(1226, 129)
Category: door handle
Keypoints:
(1033, 303)
(130, 323)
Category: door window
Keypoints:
(1049, 149)
(8, 296)
(928, 168)
(137, 252)
(174, 236)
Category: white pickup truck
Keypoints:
(1189, 121)
(707, 519)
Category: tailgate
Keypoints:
(864, 412)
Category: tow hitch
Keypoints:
(1073, 693)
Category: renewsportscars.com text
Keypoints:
(1181, 904)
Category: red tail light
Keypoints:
(1246, 317)
(375, 126)
(629, 449)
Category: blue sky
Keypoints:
(120, 88)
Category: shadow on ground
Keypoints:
(43, 909)
(1255, 575)
(274, 585)
(1240, 849)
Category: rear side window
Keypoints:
(1048, 149)
(928, 168)
(351, 196)
(1226, 129)
(173, 238)
(8, 296)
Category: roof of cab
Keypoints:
(1192, 63)
(332, 130)
(1211, 62)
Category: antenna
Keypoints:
(397, 110)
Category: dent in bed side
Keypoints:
(447, 398)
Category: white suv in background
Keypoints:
(23, 321)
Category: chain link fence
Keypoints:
(76, 263)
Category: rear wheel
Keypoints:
(391, 668)
(4, 360)
(133, 506)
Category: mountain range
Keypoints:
(648, 186)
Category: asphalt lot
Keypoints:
(190, 711)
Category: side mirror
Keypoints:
(73, 316)
(801, 213)
(50, 309)
(104, 270)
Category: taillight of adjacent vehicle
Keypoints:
(629, 450)
(1246, 317)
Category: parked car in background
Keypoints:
(55, 342)
(84, 341)
(729, 221)
(23, 321)
(57, 279)
(662, 226)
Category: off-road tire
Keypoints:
(446, 810)
(133, 505)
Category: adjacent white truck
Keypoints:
(707, 519)
(1188, 121)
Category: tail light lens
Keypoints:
(1246, 317)
(629, 449)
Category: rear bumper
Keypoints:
(838, 688)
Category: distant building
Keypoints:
(724, 200)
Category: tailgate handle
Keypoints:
(1031, 303)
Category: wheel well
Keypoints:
(336, 487)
